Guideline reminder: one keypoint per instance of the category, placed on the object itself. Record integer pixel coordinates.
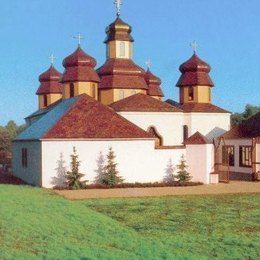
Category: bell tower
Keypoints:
(195, 84)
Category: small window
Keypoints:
(191, 94)
(24, 158)
(121, 94)
(228, 155)
(209, 94)
(185, 132)
(122, 49)
(245, 156)
(72, 92)
(45, 101)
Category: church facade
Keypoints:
(119, 105)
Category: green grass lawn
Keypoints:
(35, 223)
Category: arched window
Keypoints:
(158, 139)
(121, 94)
(209, 94)
(45, 101)
(185, 132)
(191, 94)
(72, 92)
(122, 49)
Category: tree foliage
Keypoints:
(73, 177)
(101, 174)
(111, 177)
(8, 133)
(182, 174)
(250, 110)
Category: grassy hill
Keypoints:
(36, 223)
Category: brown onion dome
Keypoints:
(122, 74)
(119, 30)
(195, 72)
(154, 84)
(79, 66)
(50, 82)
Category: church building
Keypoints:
(120, 105)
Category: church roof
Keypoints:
(197, 138)
(249, 128)
(143, 103)
(195, 72)
(153, 83)
(82, 117)
(79, 66)
(202, 108)
(119, 30)
(121, 74)
(50, 82)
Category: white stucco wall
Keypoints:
(31, 174)
(258, 157)
(200, 159)
(138, 161)
(211, 125)
(168, 124)
(237, 143)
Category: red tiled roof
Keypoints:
(121, 73)
(79, 66)
(153, 83)
(197, 138)
(50, 82)
(91, 120)
(195, 72)
(119, 30)
(143, 103)
(202, 108)
(247, 129)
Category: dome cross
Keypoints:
(52, 59)
(148, 63)
(194, 45)
(118, 4)
(79, 37)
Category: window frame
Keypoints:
(45, 100)
(122, 49)
(226, 153)
(249, 155)
(190, 93)
(185, 132)
(24, 157)
(72, 90)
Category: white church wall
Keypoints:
(200, 159)
(32, 173)
(169, 125)
(211, 125)
(257, 157)
(137, 160)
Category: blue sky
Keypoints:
(227, 32)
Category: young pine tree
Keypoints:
(183, 175)
(73, 177)
(111, 173)
(169, 173)
(101, 176)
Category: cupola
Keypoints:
(154, 85)
(50, 89)
(80, 76)
(195, 83)
(119, 40)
